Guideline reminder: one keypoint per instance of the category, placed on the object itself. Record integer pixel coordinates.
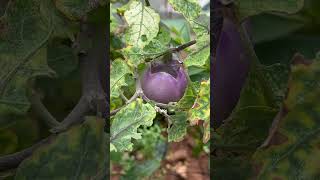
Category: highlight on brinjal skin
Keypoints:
(230, 68)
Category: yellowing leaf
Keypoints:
(201, 107)
(294, 149)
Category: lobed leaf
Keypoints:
(127, 121)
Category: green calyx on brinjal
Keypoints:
(164, 82)
(230, 70)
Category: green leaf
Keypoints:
(178, 129)
(248, 8)
(164, 36)
(79, 153)
(187, 101)
(143, 24)
(179, 28)
(119, 69)
(127, 121)
(115, 103)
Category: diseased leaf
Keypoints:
(136, 56)
(248, 8)
(127, 121)
(178, 129)
(189, 8)
(143, 24)
(201, 107)
(79, 153)
(294, 149)
(119, 69)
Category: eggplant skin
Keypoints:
(164, 83)
(230, 69)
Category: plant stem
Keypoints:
(123, 97)
(172, 50)
(38, 107)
